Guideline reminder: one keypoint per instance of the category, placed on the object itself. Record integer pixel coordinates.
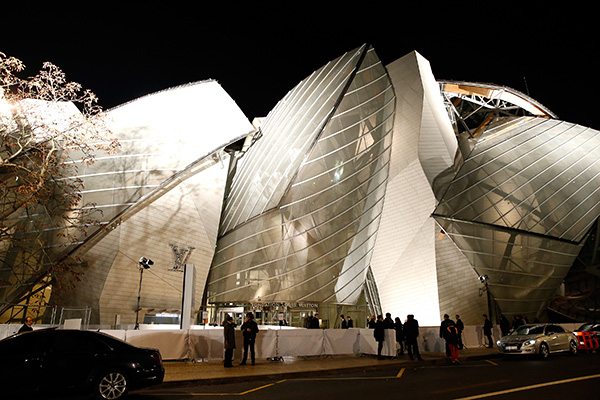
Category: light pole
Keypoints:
(144, 263)
(484, 279)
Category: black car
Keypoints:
(57, 361)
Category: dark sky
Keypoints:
(261, 50)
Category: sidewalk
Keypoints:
(214, 372)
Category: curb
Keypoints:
(437, 360)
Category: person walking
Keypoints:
(487, 330)
(228, 340)
(444, 332)
(411, 333)
(379, 333)
(26, 326)
(399, 335)
(249, 330)
(460, 327)
(349, 322)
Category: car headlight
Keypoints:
(499, 343)
(529, 342)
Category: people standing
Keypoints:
(344, 323)
(314, 322)
(444, 332)
(349, 322)
(399, 335)
(487, 330)
(249, 330)
(460, 327)
(228, 340)
(27, 325)
(388, 322)
(371, 323)
(411, 332)
(379, 333)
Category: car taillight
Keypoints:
(156, 356)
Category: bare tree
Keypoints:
(48, 128)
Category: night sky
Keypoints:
(261, 50)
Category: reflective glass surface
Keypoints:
(301, 220)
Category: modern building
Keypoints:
(367, 189)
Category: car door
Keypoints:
(24, 356)
(557, 339)
(72, 357)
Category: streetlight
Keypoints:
(143, 263)
(484, 279)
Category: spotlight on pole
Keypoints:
(144, 263)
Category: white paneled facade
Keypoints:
(164, 188)
(404, 260)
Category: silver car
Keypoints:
(538, 339)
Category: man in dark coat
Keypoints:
(379, 333)
(487, 330)
(249, 331)
(228, 340)
(349, 322)
(444, 332)
(388, 322)
(314, 322)
(26, 326)
(411, 332)
(460, 327)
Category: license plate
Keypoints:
(510, 348)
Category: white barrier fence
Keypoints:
(206, 343)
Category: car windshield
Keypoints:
(528, 330)
(584, 328)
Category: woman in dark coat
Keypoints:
(228, 340)
(399, 335)
(487, 330)
(451, 337)
(379, 333)
(411, 332)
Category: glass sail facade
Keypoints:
(521, 205)
(301, 219)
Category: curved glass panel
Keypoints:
(535, 175)
(316, 243)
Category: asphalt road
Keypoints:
(560, 377)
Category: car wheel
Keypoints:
(544, 351)
(111, 385)
(572, 347)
